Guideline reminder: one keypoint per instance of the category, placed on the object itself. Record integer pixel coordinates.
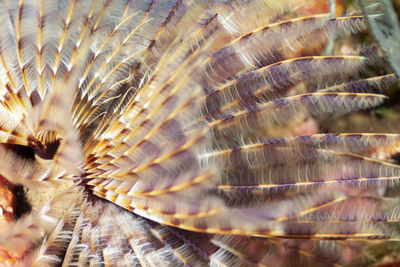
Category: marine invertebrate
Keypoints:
(161, 132)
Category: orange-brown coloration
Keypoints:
(164, 133)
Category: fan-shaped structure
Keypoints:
(163, 133)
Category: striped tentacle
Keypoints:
(263, 168)
(258, 222)
(276, 81)
(359, 143)
(271, 118)
(376, 84)
(244, 53)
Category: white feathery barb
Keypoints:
(164, 133)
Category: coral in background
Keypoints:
(183, 133)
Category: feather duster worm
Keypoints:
(162, 133)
